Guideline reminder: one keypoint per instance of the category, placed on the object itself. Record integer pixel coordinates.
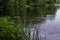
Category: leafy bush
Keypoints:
(10, 30)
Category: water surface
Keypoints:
(51, 28)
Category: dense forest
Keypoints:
(11, 29)
(24, 7)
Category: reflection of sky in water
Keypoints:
(57, 16)
(52, 27)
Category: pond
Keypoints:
(52, 27)
(49, 29)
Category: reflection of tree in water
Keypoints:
(31, 9)
(36, 19)
(39, 12)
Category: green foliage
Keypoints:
(10, 30)
(24, 8)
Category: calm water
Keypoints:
(49, 29)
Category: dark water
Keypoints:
(49, 29)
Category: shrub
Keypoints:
(10, 30)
